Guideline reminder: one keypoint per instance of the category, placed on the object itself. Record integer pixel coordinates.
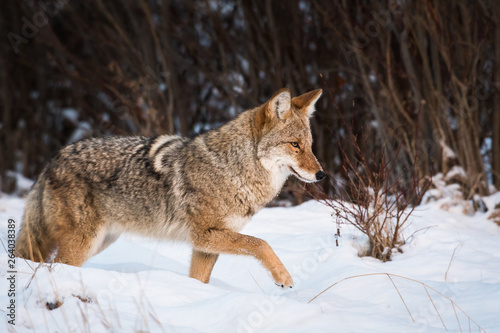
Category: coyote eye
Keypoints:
(295, 144)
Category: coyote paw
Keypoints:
(282, 278)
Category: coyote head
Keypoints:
(285, 136)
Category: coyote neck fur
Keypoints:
(235, 151)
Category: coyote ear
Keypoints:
(279, 105)
(307, 101)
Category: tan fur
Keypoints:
(201, 190)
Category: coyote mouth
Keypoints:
(296, 174)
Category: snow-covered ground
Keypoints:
(143, 285)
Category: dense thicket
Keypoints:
(406, 76)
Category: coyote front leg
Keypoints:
(226, 241)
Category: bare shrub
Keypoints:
(378, 197)
(495, 215)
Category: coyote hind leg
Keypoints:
(74, 249)
(202, 264)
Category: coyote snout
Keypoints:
(306, 166)
(320, 175)
(201, 190)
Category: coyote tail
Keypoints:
(33, 241)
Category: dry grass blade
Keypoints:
(59, 299)
(39, 296)
(333, 285)
(426, 286)
(400, 296)
(435, 308)
(104, 319)
(254, 280)
(152, 312)
(85, 320)
(456, 316)
(84, 307)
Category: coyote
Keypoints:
(201, 190)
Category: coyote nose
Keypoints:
(320, 175)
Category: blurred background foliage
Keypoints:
(416, 80)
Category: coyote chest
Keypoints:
(236, 223)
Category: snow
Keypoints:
(139, 284)
(83, 130)
(71, 115)
(456, 171)
(447, 151)
(23, 184)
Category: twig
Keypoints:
(451, 260)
